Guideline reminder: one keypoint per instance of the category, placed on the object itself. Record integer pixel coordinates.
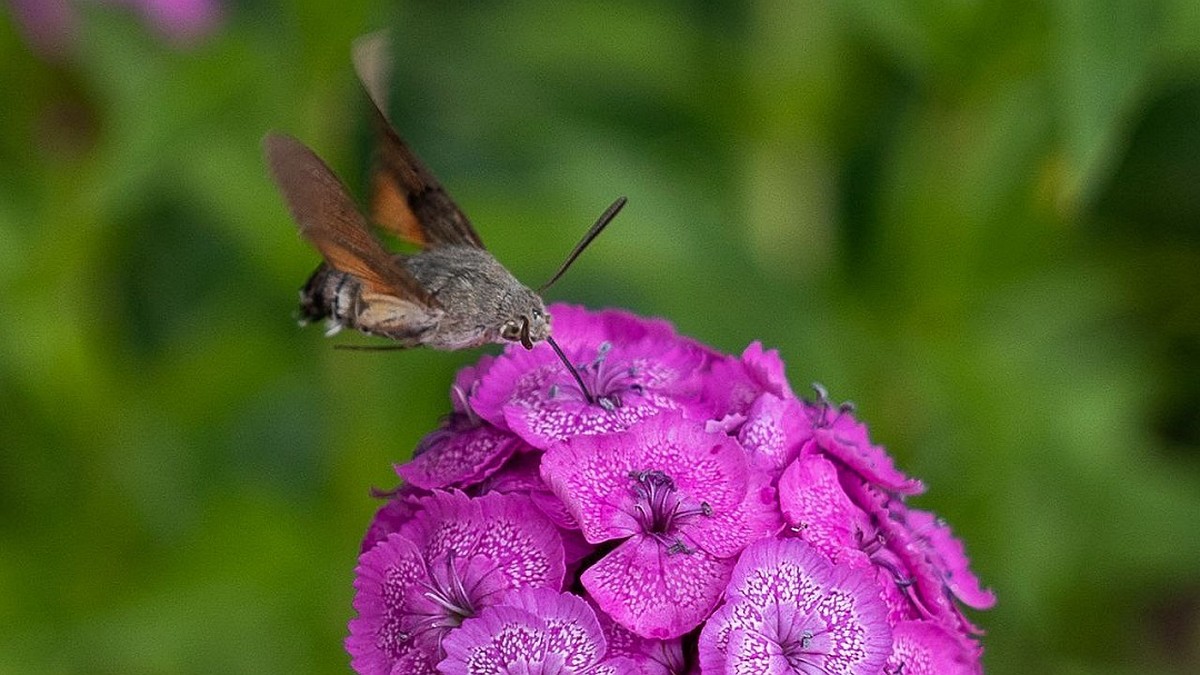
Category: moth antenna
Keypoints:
(570, 368)
(606, 217)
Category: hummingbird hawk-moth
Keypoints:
(453, 294)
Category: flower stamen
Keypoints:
(659, 512)
(825, 405)
(599, 382)
(448, 593)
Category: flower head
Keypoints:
(456, 556)
(788, 610)
(672, 509)
(683, 499)
(632, 370)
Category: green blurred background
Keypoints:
(978, 219)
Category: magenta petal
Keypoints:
(896, 596)
(753, 652)
(729, 424)
(950, 558)
(844, 438)
(576, 322)
(466, 382)
(704, 467)
(653, 593)
(779, 571)
(449, 521)
(554, 508)
(727, 531)
(590, 475)
(817, 508)
(736, 382)
(458, 457)
(620, 665)
(521, 542)
(730, 390)
(542, 424)
(766, 368)
(907, 556)
(534, 631)
(499, 638)
(653, 657)
(859, 635)
(399, 508)
(522, 473)
(571, 625)
(385, 579)
(773, 432)
(915, 545)
(719, 629)
(925, 648)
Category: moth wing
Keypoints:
(327, 216)
(406, 198)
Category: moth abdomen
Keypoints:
(343, 301)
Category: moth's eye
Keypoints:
(510, 331)
(537, 313)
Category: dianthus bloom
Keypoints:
(683, 511)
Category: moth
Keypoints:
(451, 295)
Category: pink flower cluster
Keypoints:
(50, 25)
(686, 514)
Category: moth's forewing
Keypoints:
(328, 217)
(406, 200)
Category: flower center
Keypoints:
(798, 652)
(659, 511)
(796, 644)
(604, 380)
(450, 603)
(448, 592)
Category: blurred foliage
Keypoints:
(980, 220)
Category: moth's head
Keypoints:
(529, 322)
